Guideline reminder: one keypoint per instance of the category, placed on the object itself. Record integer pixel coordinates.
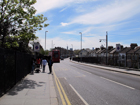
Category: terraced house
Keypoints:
(124, 57)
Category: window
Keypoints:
(135, 57)
(129, 57)
(123, 56)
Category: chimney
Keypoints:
(97, 49)
(110, 47)
(121, 46)
(133, 45)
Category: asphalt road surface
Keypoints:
(85, 85)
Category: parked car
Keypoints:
(61, 58)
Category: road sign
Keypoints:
(36, 47)
(118, 47)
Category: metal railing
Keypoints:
(13, 67)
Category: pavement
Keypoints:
(37, 89)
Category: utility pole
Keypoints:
(45, 39)
(106, 46)
(81, 45)
(52, 44)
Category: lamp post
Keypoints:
(54, 45)
(72, 46)
(81, 44)
(67, 50)
(81, 39)
(106, 44)
(45, 39)
(72, 49)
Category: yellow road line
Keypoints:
(67, 100)
(65, 96)
(61, 96)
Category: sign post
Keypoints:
(36, 47)
(118, 47)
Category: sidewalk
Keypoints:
(132, 72)
(37, 89)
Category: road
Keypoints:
(85, 85)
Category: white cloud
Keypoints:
(63, 9)
(86, 42)
(110, 13)
(45, 5)
(64, 24)
(70, 32)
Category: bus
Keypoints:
(55, 55)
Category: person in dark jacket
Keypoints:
(50, 63)
(33, 65)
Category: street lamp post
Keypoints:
(54, 45)
(45, 39)
(81, 44)
(72, 46)
(72, 49)
(106, 44)
(81, 39)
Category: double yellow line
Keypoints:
(63, 96)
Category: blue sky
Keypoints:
(120, 18)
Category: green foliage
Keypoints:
(46, 52)
(18, 22)
(76, 52)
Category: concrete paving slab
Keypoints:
(37, 102)
(37, 89)
(54, 101)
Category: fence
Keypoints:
(99, 60)
(112, 61)
(87, 59)
(13, 67)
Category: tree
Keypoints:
(18, 23)
(76, 52)
(46, 52)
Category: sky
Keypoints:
(93, 18)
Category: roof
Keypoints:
(113, 51)
(125, 50)
(95, 50)
(98, 51)
(137, 49)
(134, 50)
(101, 51)
(104, 51)
(83, 50)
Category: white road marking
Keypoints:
(79, 95)
(115, 72)
(87, 72)
(118, 83)
(65, 78)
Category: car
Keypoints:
(61, 58)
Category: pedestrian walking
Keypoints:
(38, 60)
(33, 65)
(50, 63)
(44, 62)
(41, 62)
